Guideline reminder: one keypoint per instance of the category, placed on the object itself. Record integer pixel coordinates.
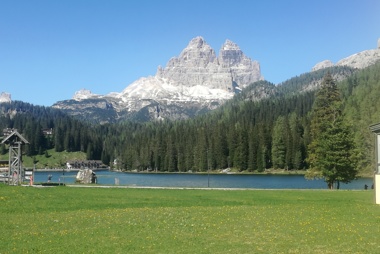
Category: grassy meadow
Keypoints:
(52, 160)
(127, 220)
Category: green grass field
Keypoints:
(124, 220)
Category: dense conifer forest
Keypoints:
(244, 134)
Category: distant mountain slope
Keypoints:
(198, 81)
(194, 82)
(312, 80)
(362, 108)
(243, 133)
(5, 97)
(239, 134)
(359, 60)
(296, 85)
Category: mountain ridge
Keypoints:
(358, 60)
(197, 81)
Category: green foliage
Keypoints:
(3, 150)
(362, 108)
(332, 152)
(278, 143)
(51, 159)
(69, 134)
(245, 134)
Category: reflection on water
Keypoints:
(201, 180)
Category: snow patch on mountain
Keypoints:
(156, 88)
(196, 74)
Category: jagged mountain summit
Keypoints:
(359, 60)
(197, 74)
(196, 81)
(5, 97)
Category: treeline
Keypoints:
(243, 134)
(361, 94)
(68, 134)
(248, 135)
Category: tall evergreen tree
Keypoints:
(252, 149)
(332, 153)
(278, 144)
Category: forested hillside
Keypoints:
(34, 122)
(244, 134)
(361, 95)
(236, 136)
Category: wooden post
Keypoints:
(376, 129)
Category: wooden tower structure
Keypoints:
(15, 142)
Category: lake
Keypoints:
(188, 180)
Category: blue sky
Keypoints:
(50, 49)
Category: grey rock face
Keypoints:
(195, 81)
(362, 59)
(322, 65)
(359, 60)
(83, 94)
(198, 65)
(5, 97)
(243, 70)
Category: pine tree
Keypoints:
(253, 147)
(278, 144)
(332, 153)
(241, 150)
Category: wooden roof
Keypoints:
(14, 136)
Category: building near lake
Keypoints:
(91, 164)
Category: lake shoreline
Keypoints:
(199, 180)
(299, 172)
(215, 172)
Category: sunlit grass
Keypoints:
(94, 220)
(52, 160)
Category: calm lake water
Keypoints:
(203, 180)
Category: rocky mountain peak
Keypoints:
(196, 42)
(83, 94)
(359, 60)
(322, 65)
(194, 81)
(244, 71)
(197, 54)
(5, 97)
(230, 45)
(197, 65)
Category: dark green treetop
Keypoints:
(332, 153)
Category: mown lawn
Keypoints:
(118, 220)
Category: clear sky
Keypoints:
(49, 49)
